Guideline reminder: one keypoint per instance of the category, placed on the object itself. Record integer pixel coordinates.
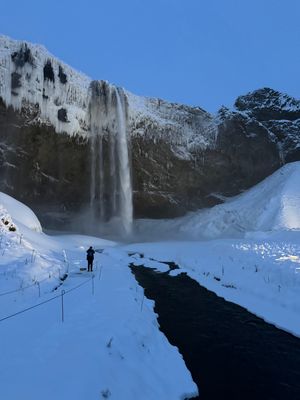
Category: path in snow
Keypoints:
(230, 352)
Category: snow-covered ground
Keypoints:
(109, 345)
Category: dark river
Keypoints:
(230, 353)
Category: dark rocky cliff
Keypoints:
(182, 157)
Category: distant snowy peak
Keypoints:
(268, 113)
(268, 104)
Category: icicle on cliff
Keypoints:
(110, 188)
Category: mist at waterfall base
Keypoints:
(270, 206)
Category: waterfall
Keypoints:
(110, 186)
(125, 198)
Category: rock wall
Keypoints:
(182, 158)
(48, 171)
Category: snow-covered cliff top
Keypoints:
(30, 75)
(59, 95)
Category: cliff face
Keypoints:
(48, 171)
(61, 151)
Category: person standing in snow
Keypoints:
(90, 258)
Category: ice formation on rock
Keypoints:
(31, 77)
(33, 81)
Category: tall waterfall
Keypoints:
(125, 187)
(110, 188)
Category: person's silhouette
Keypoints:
(90, 258)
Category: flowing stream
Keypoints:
(230, 353)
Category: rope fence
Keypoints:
(63, 293)
(33, 257)
(24, 288)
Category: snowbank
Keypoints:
(20, 212)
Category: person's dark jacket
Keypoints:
(90, 254)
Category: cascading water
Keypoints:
(125, 187)
(111, 188)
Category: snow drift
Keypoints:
(20, 212)
(272, 205)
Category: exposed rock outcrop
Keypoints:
(267, 104)
(280, 114)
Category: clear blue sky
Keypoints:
(198, 52)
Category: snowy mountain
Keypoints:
(62, 153)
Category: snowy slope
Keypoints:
(271, 205)
(21, 213)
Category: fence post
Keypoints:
(100, 273)
(62, 306)
(32, 256)
(143, 300)
(65, 256)
(38, 285)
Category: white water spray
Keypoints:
(125, 199)
(111, 188)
